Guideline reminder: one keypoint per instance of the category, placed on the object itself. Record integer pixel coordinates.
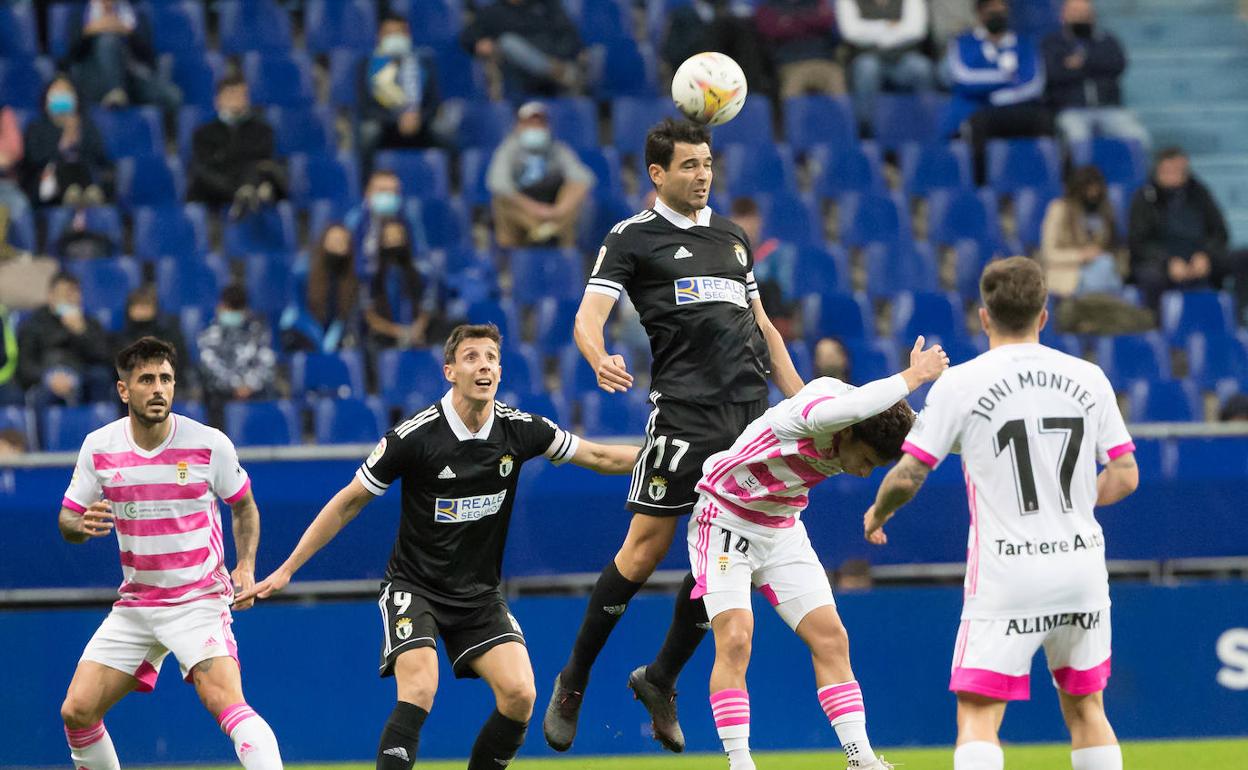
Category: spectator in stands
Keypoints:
(10, 387)
(383, 203)
(12, 442)
(66, 161)
(885, 37)
(236, 357)
(775, 264)
(399, 92)
(802, 38)
(998, 83)
(1234, 409)
(78, 241)
(831, 359)
(62, 352)
(853, 575)
(1079, 243)
(399, 281)
(1083, 64)
(12, 199)
(233, 161)
(718, 25)
(537, 184)
(534, 43)
(1177, 235)
(112, 60)
(144, 319)
(333, 293)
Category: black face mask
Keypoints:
(396, 255)
(337, 259)
(1093, 202)
(996, 23)
(1081, 29)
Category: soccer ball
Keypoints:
(709, 88)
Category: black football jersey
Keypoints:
(458, 490)
(692, 284)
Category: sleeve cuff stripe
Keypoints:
(923, 456)
(368, 480)
(73, 506)
(606, 283)
(595, 289)
(1121, 450)
(573, 444)
(242, 491)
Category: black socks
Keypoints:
(607, 603)
(401, 736)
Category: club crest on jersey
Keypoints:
(739, 251)
(723, 561)
(403, 628)
(377, 452)
(184, 474)
(658, 488)
(505, 464)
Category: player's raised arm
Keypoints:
(1117, 480)
(591, 320)
(783, 373)
(610, 459)
(874, 397)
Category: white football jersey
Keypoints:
(1031, 424)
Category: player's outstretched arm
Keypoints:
(96, 521)
(782, 370)
(591, 319)
(245, 521)
(925, 365)
(342, 508)
(831, 414)
(1118, 479)
(900, 486)
(610, 459)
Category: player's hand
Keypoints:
(262, 590)
(873, 530)
(97, 520)
(613, 375)
(927, 365)
(244, 577)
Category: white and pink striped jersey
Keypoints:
(165, 506)
(764, 477)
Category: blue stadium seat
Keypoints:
(18, 36)
(837, 314)
(866, 219)
(1030, 206)
(64, 427)
(302, 129)
(170, 231)
(407, 374)
(908, 118)
(822, 269)
(196, 73)
(552, 406)
(473, 164)
(751, 126)
(1213, 358)
(181, 284)
(339, 375)
(790, 217)
(434, 21)
(107, 282)
(1014, 164)
(522, 369)
(459, 75)
(575, 375)
(554, 321)
(177, 26)
(349, 420)
(315, 177)
(603, 21)
(268, 281)
(628, 70)
(613, 414)
(1067, 343)
(501, 313)
(1208, 458)
(605, 163)
(1133, 357)
(756, 170)
(253, 25)
(574, 121)
(631, 118)
(22, 232)
(969, 260)
(61, 19)
(849, 169)
(1122, 161)
(149, 180)
(344, 77)
(1165, 401)
(900, 266)
(330, 24)
(871, 360)
(799, 354)
(956, 215)
(98, 219)
(423, 173)
(279, 79)
(926, 168)
(447, 224)
(540, 273)
(129, 132)
(485, 124)
(270, 230)
(932, 314)
(262, 423)
(22, 82)
(189, 119)
(819, 120)
(1184, 313)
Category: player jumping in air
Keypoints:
(690, 275)
(1031, 424)
(746, 529)
(459, 461)
(154, 477)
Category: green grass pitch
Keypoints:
(1138, 755)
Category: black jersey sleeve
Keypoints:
(616, 259)
(540, 436)
(387, 461)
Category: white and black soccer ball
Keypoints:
(709, 88)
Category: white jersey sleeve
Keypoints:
(84, 485)
(937, 430)
(226, 475)
(828, 405)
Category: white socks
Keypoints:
(254, 741)
(1097, 758)
(978, 755)
(731, 709)
(842, 703)
(92, 749)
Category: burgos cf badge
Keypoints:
(505, 464)
(377, 452)
(739, 250)
(403, 628)
(184, 474)
(657, 488)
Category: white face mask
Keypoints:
(534, 139)
(395, 44)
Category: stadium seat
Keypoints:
(822, 269)
(755, 170)
(61, 19)
(344, 77)
(177, 26)
(837, 314)
(932, 314)
(434, 21)
(574, 121)
(64, 427)
(926, 168)
(1030, 206)
(902, 119)
(1015, 164)
(871, 360)
(97, 219)
(900, 266)
(22, 82)
(575, 375)
(799, 354)
(316, 177)
(252, 25)
(181, 284)
(540, 273)
(613, 414)
(956, 215)
(303, 129)
(849, 169)
(1067, 343)
(485, 124)
(339, 375)
(268, 282)
(404, 374)
(522, 369)
(1122, 161)
(605, 163)
(474, 162)
(262, 423)
(22, 232)
(553, 324)
(349, 420)
(149, 180)
(865, 219)
(628, 70)
(170, 231)
(447, 224)
(819, 120)
(106, 283)
(423, 173)
(790, 217)
(969, 260)
(459, 75)
(129, 132)
(1165, 401)
(1130, 357)
(603, 21)
(1184, 313)
(631, 117)
(269, 230)
(552, 406)
(1213, 358)
(18, 36)
(330, 24)
(751, 126)
(196, 73)
(279, 79)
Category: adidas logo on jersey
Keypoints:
(398, 751)
(447, 473)
(116, 479)
(682, 253)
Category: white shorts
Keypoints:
(993, 657)
(137, 639)
(728, 556)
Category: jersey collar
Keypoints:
(702, 218)
(457, 425)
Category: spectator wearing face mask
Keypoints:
(236, 357)
(63, 352)
(233, 157)
(66, 161)
(537, 183)
(403, 308)
(1084, 64)
(112, 60)
(1079, 241)
(399, 92)
(383, 202)
(325, 322)
(831, 359)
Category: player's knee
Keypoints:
(76, 714)
(733, 644)
(832, 644)
(516, 698)
(1083, 709)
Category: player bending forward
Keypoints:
(1031, 424)
(154, 477)
(746, 528)
(459, 461)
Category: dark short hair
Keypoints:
(64, 276)
(231, 80)
(743, 207)
(662, 139)
(469, 331)
(146, 293)
(886, 431)
(1170, 153)
(145, 350)
(1014, 292)
(234, 297)
(392, 18)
